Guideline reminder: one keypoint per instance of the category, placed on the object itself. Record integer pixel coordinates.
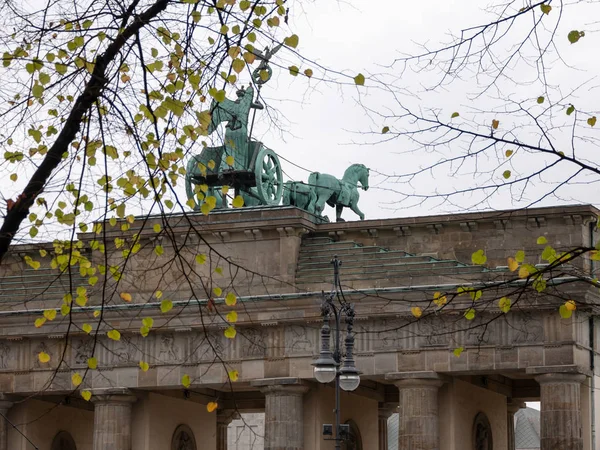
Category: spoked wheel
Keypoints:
(269, 180)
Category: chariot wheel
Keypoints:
(269, 180)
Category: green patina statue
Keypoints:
(323, 188)
(255, 172)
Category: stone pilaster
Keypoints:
(4, 426)
(224, 418)
(511, 408)
(418, 413)
(560, 426)
(112, 419)
(384, 413)
(284, 413)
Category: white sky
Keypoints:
(322, 121)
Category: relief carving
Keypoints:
(527, 329)
(83, 350)
(167, 351)
(41, 347)
(4, 355)
(253, 343)
(298, 339)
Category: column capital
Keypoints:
(558, 377)
(113, 396)
(385, 410)
(417, 379)
(226, 416)
(512, 406)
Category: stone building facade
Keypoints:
(278, 260)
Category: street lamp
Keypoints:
(329, 367)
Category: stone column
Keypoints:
(511, 408)
(560, 416)
(4, 426)
(224, 418)
(418, 413)
(112, 419)
(284, 413)
(384, 413)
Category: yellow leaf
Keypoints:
(97, 313)
(504, 304)
(156, 228)
(229, 160)
(76, 379)
(416, 311)
(185, 381)
(148, 322)
(158, 294)
(65, 310)
(230, 332)
(570, 305)
(479, 257)
(512, 264)
(308, 73)
(114, 335)
(144, 331)
(218, 291)
(234, 375)
(166, 306)
(231, 317)
(212, 406)
(43, 357)
(542, 240)
(125, 296)
(40, 321)
(230, 299)
(458, 351)
(470, 314)
(144, 366)
(87, 328)
(523, 272)
(238, 201)
(200, 258)
(508, 153)
(87, 395)
(238, 65)
(205, 209)
(92, 363)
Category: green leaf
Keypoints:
(458, 351)
(294, 70)
(575, 35)
(540, 100)
(542, 240)
(166, 306)
(200, 258)
(546, 8)
(385, 130)
(454, 115)
(470, 314)
(291, 41)
(185, 381)
(565, 312)
(37, 90)
(359, 79)
(92, 363)
(520, 256)
(238, 65)
(549, 254)
(591, 121)
(506, 174)
(570, 110)
(479, 257)
(230, 332)
(504, 304)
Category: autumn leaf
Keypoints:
(39, 322)
(212, 406)
(565, 312)
(570, 305)
(479, 257)
(470, 314)
(166, 306)
(231, 317)
(185, 381)
(144, 366)
(92, 363)
(76, 379)
(416, 311)
(43, 357)
(512, 264)
(359, 79)
(504, 304)
(230, 332)
(542, 240)
(87, 395)
(126, 297)
(230, 299)
(86, 327)
(458, 351)
(233, 375)
(495, 124)
(114, 335)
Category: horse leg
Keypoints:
(321, 199)
(338, 213)
(354, 207)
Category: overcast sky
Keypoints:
(322, 122)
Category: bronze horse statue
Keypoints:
(323, 188)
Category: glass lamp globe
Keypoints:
(349, 381)
(325, 373)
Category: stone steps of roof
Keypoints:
(316, 240)
(325, 258)
(398, 257)
(330, 252)
(307, 247)
(362, 268)
(323, 277)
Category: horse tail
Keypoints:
(287, 187)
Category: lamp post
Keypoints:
(329, 367)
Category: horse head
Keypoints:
(358, 173)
